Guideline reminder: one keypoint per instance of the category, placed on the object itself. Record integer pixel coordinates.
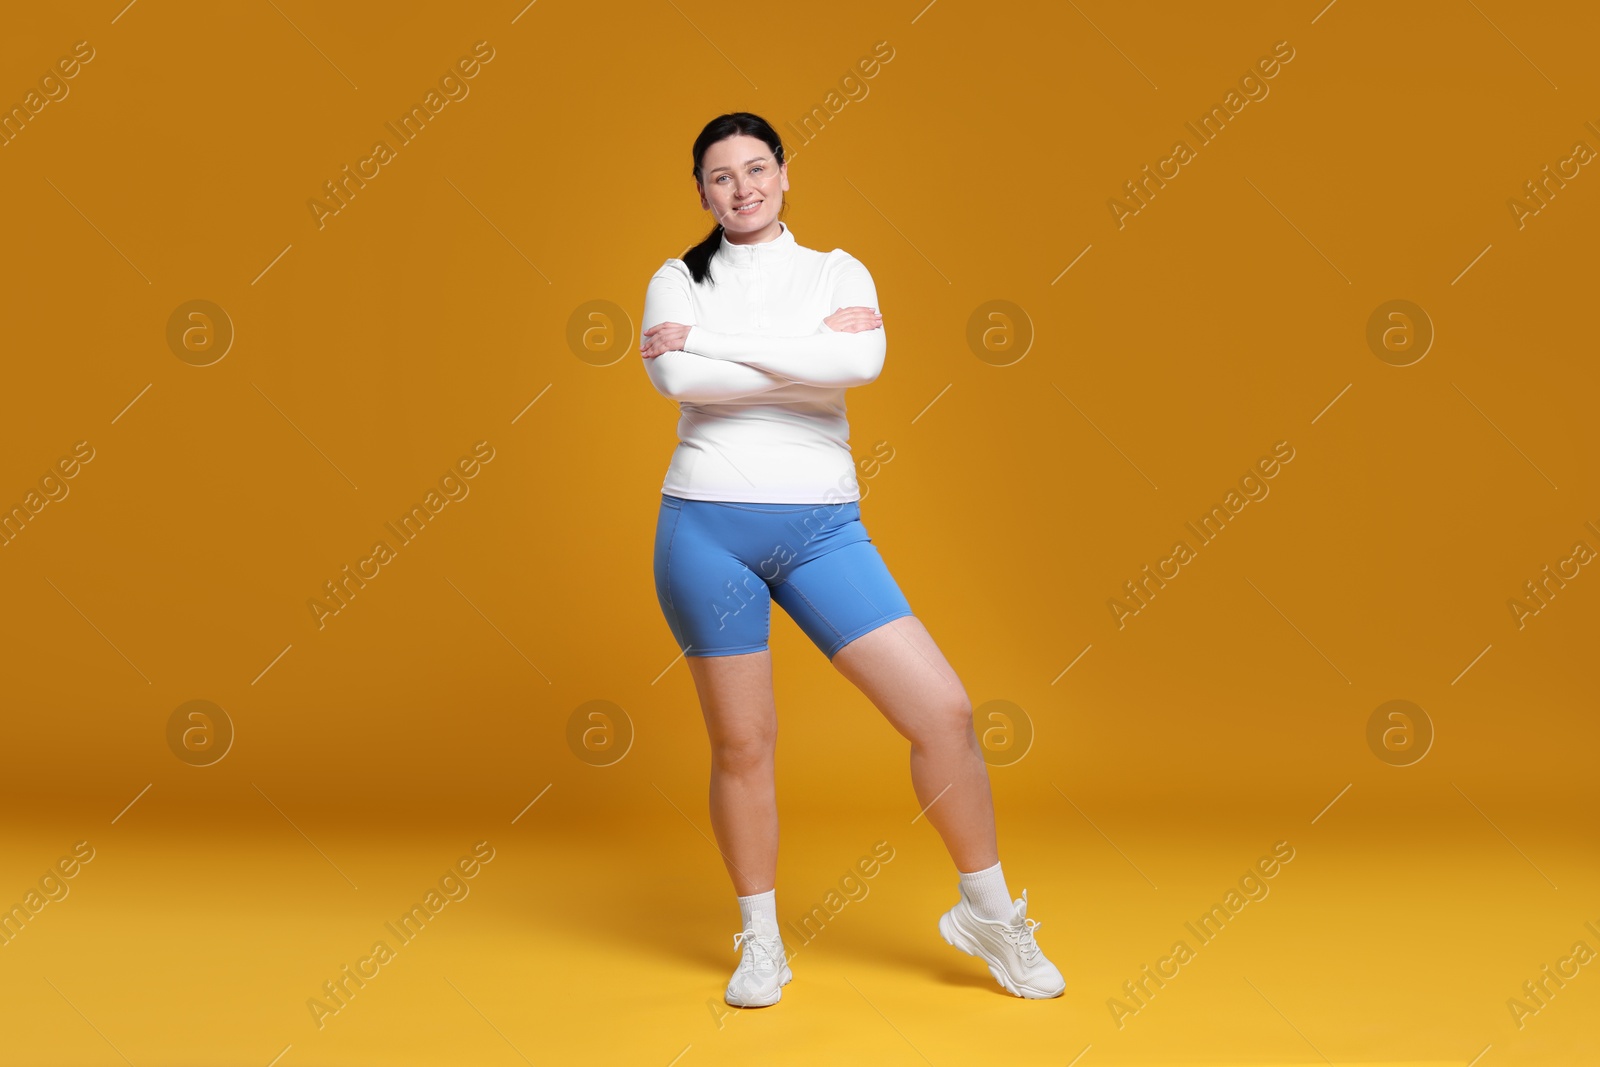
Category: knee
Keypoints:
(743, 752)
(949, 720)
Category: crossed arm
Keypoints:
(721, 366)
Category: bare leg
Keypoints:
(742, 723)
(902, 671)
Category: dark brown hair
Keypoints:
(698, 258)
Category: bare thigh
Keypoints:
(901, 670)
(737, 702)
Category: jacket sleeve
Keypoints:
(687, 376)
(826, 357)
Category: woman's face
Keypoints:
(743, 187)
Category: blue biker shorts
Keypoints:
(720, 564)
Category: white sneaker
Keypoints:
(1008, 946)
(763, 969)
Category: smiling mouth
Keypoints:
(748, 209)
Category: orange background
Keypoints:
(442, 302)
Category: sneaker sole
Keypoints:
(958, 938)
(777, 994)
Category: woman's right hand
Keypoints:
(854, 320)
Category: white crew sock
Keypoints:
(986, 891)
(759, 911)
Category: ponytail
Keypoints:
(698, 258)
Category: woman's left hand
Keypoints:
(663, 337)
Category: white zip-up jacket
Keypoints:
(760, 382)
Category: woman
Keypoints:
(758, 337)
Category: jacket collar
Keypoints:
(765, 254)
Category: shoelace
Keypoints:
(767, 949)
(1022, 936)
